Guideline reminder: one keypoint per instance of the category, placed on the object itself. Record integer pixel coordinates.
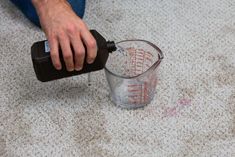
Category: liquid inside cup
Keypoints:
(131, 73)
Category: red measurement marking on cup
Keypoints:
(139, 54)
(146, 94)
(140, 62)
(150, 55)
(134, 90)
(131, 51)
(134, 93)
(143, 59)
(140, 93)
(135, 59)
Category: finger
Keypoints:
(67, 52)
(54, 52)
(91, 46)
(79, 52)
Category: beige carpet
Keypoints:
(193, 113)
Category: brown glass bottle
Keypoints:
(45, 70)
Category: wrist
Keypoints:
(39, 5)
(42, 6)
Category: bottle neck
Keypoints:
(111, 46)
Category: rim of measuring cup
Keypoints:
(160, 57)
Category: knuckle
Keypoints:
(92, 44)
(91, 57)
(82, 25)
(80, 52)
(68, 56)
(71, 29)
(61, 35)
(51, 35)
(54, 55)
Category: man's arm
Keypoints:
(65, 29)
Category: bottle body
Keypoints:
(45, 70)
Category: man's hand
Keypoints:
(65, 29)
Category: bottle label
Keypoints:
(47, 48)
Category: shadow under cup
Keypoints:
(131, 72)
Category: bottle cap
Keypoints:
(111, 46)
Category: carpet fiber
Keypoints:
(192, 114)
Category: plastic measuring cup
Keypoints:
(131, 72)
